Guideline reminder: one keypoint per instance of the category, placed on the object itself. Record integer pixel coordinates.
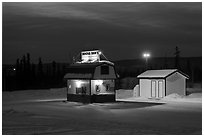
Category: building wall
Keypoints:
(111, 75)
(102, 85)
(72, 85)
(176, 83)
(145, 88)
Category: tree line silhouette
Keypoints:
(27, 75)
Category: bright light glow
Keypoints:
(146, 55)
(78, 83)
(14, 69)
(100, 52)
(98, 82)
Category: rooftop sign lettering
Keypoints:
(90, 56)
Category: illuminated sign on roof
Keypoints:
(90, 56)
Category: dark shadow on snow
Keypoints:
(127, 105)
(106, 105)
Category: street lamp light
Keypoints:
(146, 56)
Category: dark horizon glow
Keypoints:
(58, 31)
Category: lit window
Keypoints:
(78, 90)
(98, 82)
(97, 88)
(78, 83)
(107, 87)
(83, 90)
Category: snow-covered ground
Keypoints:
(47, 112)
(192, 98)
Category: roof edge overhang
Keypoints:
(92, 78)
(177, 71)
(151, 78)
(78, 78)
(94, 65)
(87, 76)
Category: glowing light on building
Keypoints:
(78, 83)
(98, 82)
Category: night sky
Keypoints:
(57, 31)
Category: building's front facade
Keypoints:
(91, 82)
(160, 83)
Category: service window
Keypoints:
(78, 90)
(83, 90)
(97, 88)
(104, 70)
(107, 87)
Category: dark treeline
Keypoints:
(27, 75)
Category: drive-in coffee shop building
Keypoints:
(91, 79)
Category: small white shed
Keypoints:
(160, 83)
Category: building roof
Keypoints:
(83, 70)
(90, 50)
(93, 64)
(78, 76)
(163, 73)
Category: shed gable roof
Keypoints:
(164, 73)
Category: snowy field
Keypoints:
(47, 112)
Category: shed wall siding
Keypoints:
(145, 88)
(111, 75)
(176, 83)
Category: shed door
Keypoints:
(160, 89)
(156, 89)
(153, 88)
